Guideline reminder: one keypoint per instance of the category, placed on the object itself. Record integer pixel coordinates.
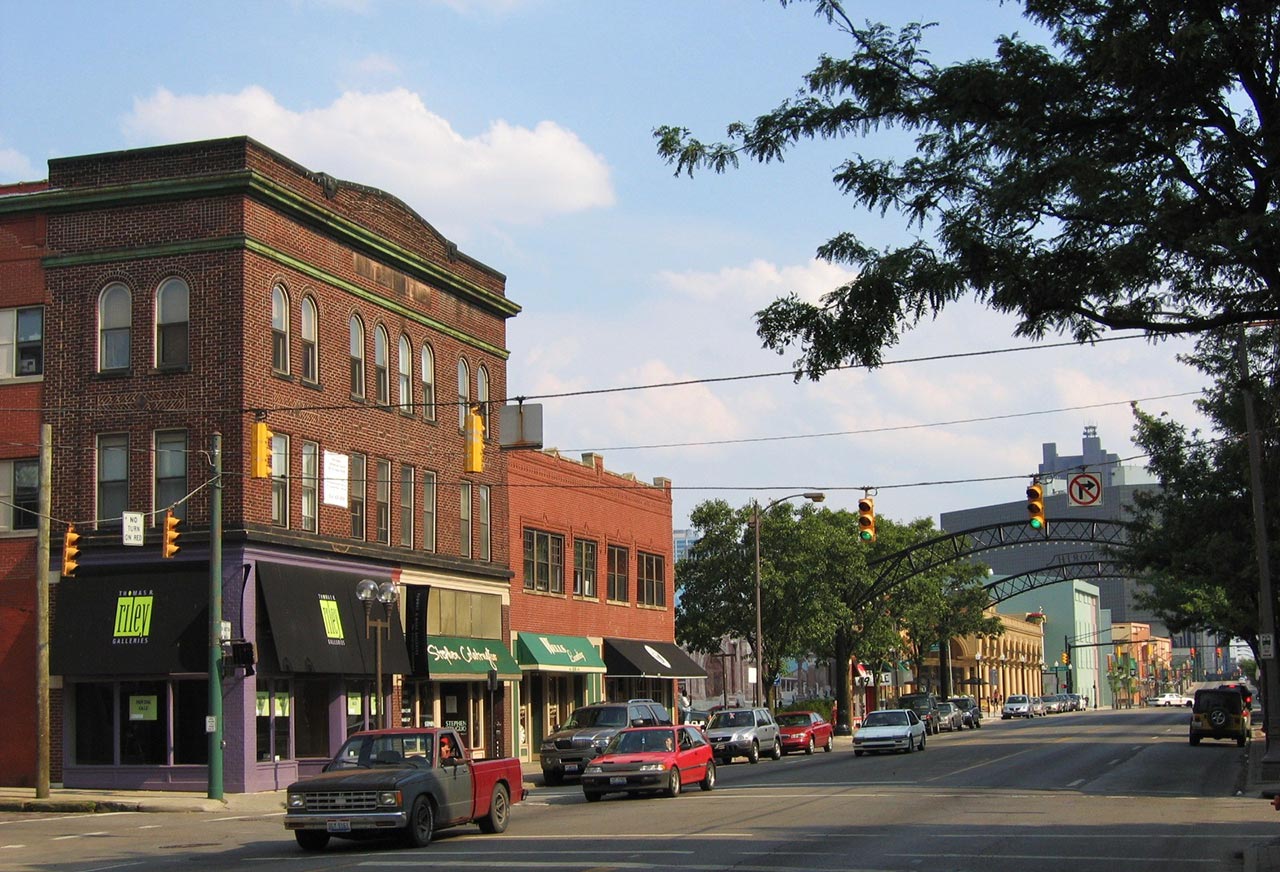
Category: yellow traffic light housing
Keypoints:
(1035, 506)
(260, 450)
(867, 519)
(171, 534)
(70, 551)
(1066, 658)
(474, 459)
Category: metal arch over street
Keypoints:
(897, 568)
(1012, 585)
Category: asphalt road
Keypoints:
(1089, 791)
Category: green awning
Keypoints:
(461, 659)
(557, 653)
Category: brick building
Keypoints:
(188, 292)
(592, 557)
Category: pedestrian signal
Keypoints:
(867, 519)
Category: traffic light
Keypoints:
(867, 519)
(1066, 658)
(70, 551)
(1035, 506)
(474, 461)
(171, 534)
(260, 450)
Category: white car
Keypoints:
(889, 730)
(1167, 699)
(1018, 705)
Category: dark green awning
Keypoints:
(462, 659)
(557, 653)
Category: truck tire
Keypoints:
(422, 823)
(551, 778)
(592, 795)
(311, 840)
(499, 811)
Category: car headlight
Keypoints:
(593, 770)
(388, 798)
(297, 800)
(857, 740)
(653, 767)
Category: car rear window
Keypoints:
(1224, 699)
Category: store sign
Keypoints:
(142, 708)
(563, 650)
(462, 653)
(133, 617)
(332, 619)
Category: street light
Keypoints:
(387, 593)
(812, 496)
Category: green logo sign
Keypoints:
(133, 617)
(332, 619)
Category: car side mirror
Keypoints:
(637, 722)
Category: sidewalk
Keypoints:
(1260, 856)
(86, 801)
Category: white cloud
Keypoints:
(15, 167)
(506, 175)
(759, 281)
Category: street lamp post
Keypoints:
(813, 496)
(387, 593)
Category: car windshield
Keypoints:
(641, 742)
(731, 719)
(946, 708)
(366, 752)
(601, 716)
(793, 719)
(885, 719)
(1017, 698)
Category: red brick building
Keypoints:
(189, 291)
(592, 592)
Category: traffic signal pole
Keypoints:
(42, 612)
(213, 725)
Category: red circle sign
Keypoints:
(1084, 489)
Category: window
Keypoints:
(310, 353)
(113, 479)
(171, 472)
(357, 356)
(482, 396)
(428, 384)
(279, 330)
(356, 496)
(19, 494)
(428, 511)
(651, 587)
(280, 480)
(619, 574)
(272, 705)
(543, 561)
(406, 375)
(382, 502)
(584, 568)
(406, 506)
(464, 394)
(310, 480)
(485, 521)
(115, 320)
(380, 386)
(464, 519)
(21, 342)
(172, 316)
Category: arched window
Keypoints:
(464, 393)
(380, 377)
(279, 330)
(310, 352)
(405, 362)
(482, 396)
(173, 300)
(115, 322)
(357, 357)
(428, 384)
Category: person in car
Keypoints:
(448, 748)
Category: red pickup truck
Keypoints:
(410, 782)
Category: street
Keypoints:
(1084, 791)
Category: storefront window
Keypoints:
(144, 717)
(311, 731)
(94, 710)
(190, 705)
(357, 713)
(273, 718)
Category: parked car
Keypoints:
(950, 718)
(693, 717)
(1170, 699)
(1076, 702)
(410, 781)
(1219, 713)
(970, 711)
(583, 736)
(1054, 703)
(1017, 705)
(889, 730)
(744, 732)
(651, 759)
(925, 705)
(804, 731)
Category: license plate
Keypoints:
(338, 826)
(617, 780)
(571, 767)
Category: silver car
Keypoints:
(950, 718)
(1017, 705)
(889, 730)
(744, 732)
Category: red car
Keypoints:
(651, 759)
(804, 731)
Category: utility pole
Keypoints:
(42, 612)
(213, 724)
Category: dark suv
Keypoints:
(970, 709)
(583, 736)
(925, 705)
(1220, 713)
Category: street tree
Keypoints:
(1125, 176)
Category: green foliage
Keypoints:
(1123, 177)
(820, 704)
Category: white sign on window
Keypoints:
(336, 472)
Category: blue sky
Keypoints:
(522, 130)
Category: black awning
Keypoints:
(131, 624)
(636, 658)
(318, 623)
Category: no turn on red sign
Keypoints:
(1084, 489)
